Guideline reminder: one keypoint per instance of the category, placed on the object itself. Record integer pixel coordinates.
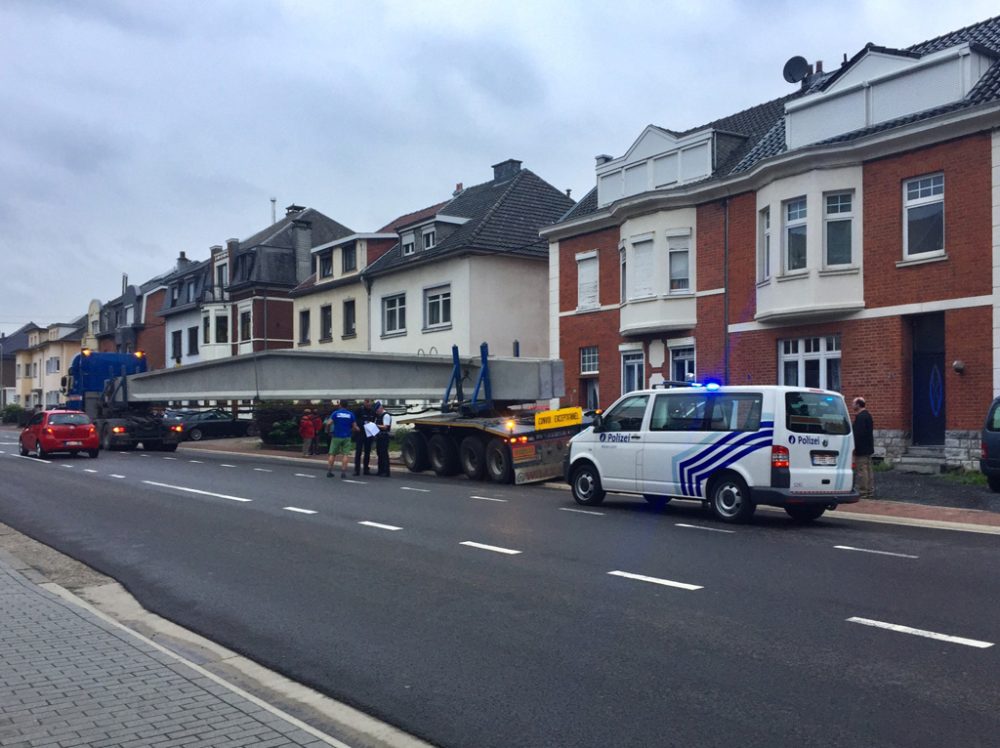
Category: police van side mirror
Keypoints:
(598, 422)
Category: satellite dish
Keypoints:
(795, 69)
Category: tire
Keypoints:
(994, 483)
(415, 452)
(253, 430)
(586, 485)
(498, 465)
(195, 435)
(443, 454)
(106, 439)
(657, 501)
(806, 513)
(472, 455)
(40, 453)
(93, 453)
(21, 449)
(729, 499)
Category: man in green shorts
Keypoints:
(341, 423)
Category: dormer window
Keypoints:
(430, 238)
(325, 265)
(349, 258)
(408, 244)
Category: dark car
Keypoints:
(989, 462)
(210, 424)
(59, 431)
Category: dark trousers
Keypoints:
(362, 444)
(382, 450)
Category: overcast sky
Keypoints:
(132, 130)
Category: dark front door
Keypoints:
(928, 379)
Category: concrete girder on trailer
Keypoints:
(310, 375)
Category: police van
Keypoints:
(730, 447)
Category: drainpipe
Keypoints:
(725, 293)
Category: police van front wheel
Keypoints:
(730, 499)
(586, 485)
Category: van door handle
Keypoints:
(635, 436)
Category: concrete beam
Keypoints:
(309, 375)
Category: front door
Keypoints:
(928, 379)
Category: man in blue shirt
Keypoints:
(341, 423)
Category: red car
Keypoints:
(59, 431)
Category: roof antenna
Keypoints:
(274, 215)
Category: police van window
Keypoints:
(679, 411)
(735, 412)
(626, 415)
(816, 413)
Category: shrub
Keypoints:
(12, 413)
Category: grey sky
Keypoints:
(132, 131)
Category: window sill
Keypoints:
(436, 328)
(394, 334)
(588, 374)
(922, 260)
(350, 336)
(762, 283)
(327, 339)
(587, 309)
(303, 343)
(685, 294)
(640, 300)
(846, 270)
(797, 275)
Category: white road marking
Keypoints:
(2, 452)
(89, 470)
(195, 490)
(300, 511)
(173, 458)
(142, 455)
(410, 488)
(359, 482)
(580, 511)
(656, 580)
(225, 465)
(263, 470)
(379, 525)
(65, 465)
(304, 475)
(880, 553)
(487, 498)
(921, 632)
(699, 527)
(494, 548)
(35, 459)
(115, 475)
(196, 462)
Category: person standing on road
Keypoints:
(307, 430)
(362, 441)
(341, 425)
(864, 448)
(318, 428)
(384, 422)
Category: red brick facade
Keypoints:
(151, 339)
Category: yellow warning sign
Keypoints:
(554, 419)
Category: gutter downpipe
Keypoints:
(725, 292)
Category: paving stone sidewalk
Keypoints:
(69, 678)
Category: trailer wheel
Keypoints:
(415, 452)
(498, 465)
(472, 454)
(443, 454)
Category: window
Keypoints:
(175, 345)
(394, 314)
(17, 371)
(586, 281)
(408, 244)
(795, 234)
(839, 208)
(810, 362)
(677, 253)
(588, 360)
(622, 274)
(437, 307)
(206, 330)
(245, 325)
(641, 285)
(682, 364)
(591, 393)
(304, 327)
(325, 265)
(222, 276)
(633, 371)
(350, 328)
(812, 413)
(430, 238)
(764, 245)
(325, 322)
(222, 328)
(349, 258)
(193, 341)
(626, 415)
(190, 291)
(923, 224)
(175, 293)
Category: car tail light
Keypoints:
(178, 428)
(983, 451)
(117, 429)
(49, 430)
(779, 457)
(91, 429)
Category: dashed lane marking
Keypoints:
(115, 475)
(300, 511)
(65, 465)
(172, 458)
(196, 462)
(196, 490)
(580, 511)
(921, 632)
(89, 470)
(379, 525)
(869, 550)
(263, 470)
(494, 548)
(304, 475)
(488, 498)
(141, 455)
(225, 465)
(656, 580)
(359, 482)
(411, 488)
(702, 527)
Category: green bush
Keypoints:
(12, 413)
(283, 432)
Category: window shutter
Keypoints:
(586, 271)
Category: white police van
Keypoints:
(731, 447)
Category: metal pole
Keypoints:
(3, 387)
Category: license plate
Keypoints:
(824, 459)
(73, 444)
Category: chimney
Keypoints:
(569, 193)
(302, 241)
(232, 247)
(293, 209)
(602, 159)
(506, 170)
(125, 279)
(458, 190)
(215, 249)
(819, 67)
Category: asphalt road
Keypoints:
(615, 626)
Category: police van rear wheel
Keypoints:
(586, 485)
(806, 513)
(730, 499)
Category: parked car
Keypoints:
(59, 431)
(210, 424)
(989, 462)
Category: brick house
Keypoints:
(837, 237)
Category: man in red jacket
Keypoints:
(307, 430)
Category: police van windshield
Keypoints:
(816, 413)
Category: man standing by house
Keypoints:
(384, 422)
(362, 441)
(864, 448)
(341, 425)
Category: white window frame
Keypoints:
(637, 357)
(764, 244)
(800, 221)
(587, 280)
(589, 360)
(687, 354)
(428, 237)
(436, 296)
(394, 304)
(839, 215)
(821, 348)
(409, 244)
(930, 189)
(678, 245)
(643, 285)
(622, 274)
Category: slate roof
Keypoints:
(503, 217)
(18, 340)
